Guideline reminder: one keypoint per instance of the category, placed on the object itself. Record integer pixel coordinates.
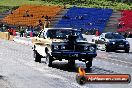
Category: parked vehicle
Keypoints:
(63, 43)
(113, 41)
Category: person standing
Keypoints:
(125, 35)
(3, 28)
(47, 22)
(97, 32)
(40, 24)
(21, 31)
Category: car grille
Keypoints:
(74, 47)
(120, 43)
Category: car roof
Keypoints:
(60, 29)
(110, 33)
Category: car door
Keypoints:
(41, 44)
(102, 39)
(101, 42)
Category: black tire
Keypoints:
(107, 49)
(71, 62)
(37, 56)
(80, 79)
(49, 60)
(89, 63)
(126, 50)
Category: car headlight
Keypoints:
(85, 47)
(56, 47)
(63, 47)
(113, 42)
(92, 49)
(127, 42)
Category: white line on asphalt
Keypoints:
(119, 64)
(116, 60)
(121, 61)
(32, 65)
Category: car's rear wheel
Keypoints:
(49, 59)
(126, 50)
(37, 56)
(89, 63)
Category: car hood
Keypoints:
(116, 40)
(66, 41)
(57, 40)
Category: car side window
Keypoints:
(41, 35)
(101, 36)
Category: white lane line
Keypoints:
(121, 61)
(34, 66)
(115, 60)
(119, 64)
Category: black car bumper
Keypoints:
(75, 55)
(118, 47)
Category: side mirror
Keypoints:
(85, 39)
(103, 39)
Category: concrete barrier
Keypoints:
(5, 35)
(11, 37)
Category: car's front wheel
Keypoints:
(126, 50)
(49, 59)
(37, 56)
(107, 49)
(89, 63)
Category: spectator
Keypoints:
(119, 26)
(97, 32)
(47, 22)
(89, 24)
(80, 17)
(120, 33)
(26, 14)
(14, 32)
(42, 16)
(40, 23)
(21, 31)
(31, 15)
(64, 5)
(66, 17)
(4, 27)
(125, 35)
(11, 11)
(130, 35)
(10, 30)
(82, 30)
(46, 25)
(46, 18)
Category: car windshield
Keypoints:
(114, 36)
(62, 33)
